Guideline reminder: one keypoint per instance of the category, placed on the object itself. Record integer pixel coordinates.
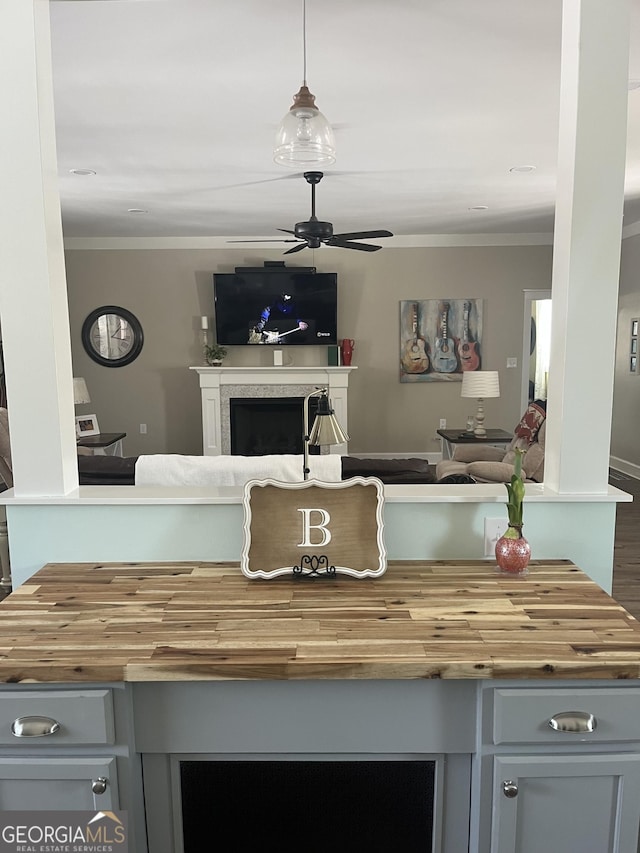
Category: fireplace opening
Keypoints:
(269, 425)
(310, 806)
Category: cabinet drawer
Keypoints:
(523, 715)
(83, 716)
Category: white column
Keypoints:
(33, 297)
(588, 226)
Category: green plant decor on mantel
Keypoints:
(214, 353)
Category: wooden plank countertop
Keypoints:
(205, 621)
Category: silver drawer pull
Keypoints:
(574, 722)
(34, 726)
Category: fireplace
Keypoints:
(220, 385)
(266, 425)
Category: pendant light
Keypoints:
(305, 137)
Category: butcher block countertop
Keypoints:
(206, 621)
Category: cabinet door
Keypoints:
(56, 783)
(573, 804)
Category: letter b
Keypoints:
(325, 518)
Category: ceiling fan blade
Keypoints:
(363, 235)
(285, 230)
(295, 248)
(345, 244)
(275, 240)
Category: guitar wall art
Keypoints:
(440, 339)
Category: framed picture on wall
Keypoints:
(633, 346)
(86, 425)
(440, 339)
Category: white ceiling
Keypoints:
(174, 104)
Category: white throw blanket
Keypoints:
(175, 470)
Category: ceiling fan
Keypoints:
(313, 233)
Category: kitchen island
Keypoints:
(522, 692)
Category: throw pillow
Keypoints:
(530, 423)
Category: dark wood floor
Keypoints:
(626, 552)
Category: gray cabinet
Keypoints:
(559, 769)
(568, 803)
(58, 783)
(57, 750)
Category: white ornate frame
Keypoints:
(345, 484)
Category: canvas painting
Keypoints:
(440, 339)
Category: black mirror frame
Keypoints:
(131, 319)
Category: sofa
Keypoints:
(488, 464)
(120, 471)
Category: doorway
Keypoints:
(536, 346)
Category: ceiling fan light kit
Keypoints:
(304, 137)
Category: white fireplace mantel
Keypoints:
(219, 384)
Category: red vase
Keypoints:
(513, 552)
(346, 350)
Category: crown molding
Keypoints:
(415, 241)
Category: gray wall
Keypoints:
(169, 289)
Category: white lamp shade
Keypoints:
(480, 384)
(80, 391)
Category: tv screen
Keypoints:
(291, 307)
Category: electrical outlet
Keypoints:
(143, 429)
(494, 528)
(512, 362)
(443, 423)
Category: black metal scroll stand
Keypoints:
(316, 566)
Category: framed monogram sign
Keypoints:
(313, 528)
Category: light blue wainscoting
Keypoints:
(581, 530)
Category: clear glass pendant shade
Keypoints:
(304, 137)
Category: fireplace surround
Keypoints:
(218, 385)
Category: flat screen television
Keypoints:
(283, 306)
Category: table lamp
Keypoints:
(326, 429)
(80, 391)
(480, 384)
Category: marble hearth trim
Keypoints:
(259, 391)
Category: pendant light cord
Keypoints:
(304, 42)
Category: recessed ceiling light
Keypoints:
(522, 169)
(137, 210)
(82, 171)
(479, 207)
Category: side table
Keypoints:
(451, 437)
(103, 444)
